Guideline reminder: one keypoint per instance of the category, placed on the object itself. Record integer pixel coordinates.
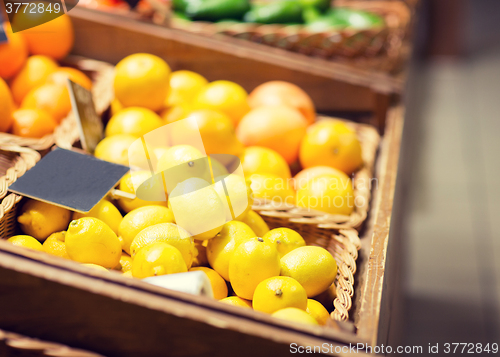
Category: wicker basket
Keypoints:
(102, 100)
(379, 48)
(280, 213)
(14, 162)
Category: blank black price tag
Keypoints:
(89, 123)
(69, 179)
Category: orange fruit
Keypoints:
(279, 128)
(217, 132)
(6, 106)
(64, 73)
(142, 80)
(331, 143)
(53, 98)
(225, 97)
(53, 38)
(260, 160)
(32, 123)
(283, 93)
(13, 54)
(330, 193)
(308, 174)
(34, 73)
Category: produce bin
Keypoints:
(101, 312)
(56, 300)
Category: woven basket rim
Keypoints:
(25, 159)
(370, 140)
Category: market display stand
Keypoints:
(332, 86)
(56, 300)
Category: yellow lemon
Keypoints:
(115, 148)
(255, 222)
(237, 301)
(141, 218)
(226, 97)
(167, 233)
(125, 263)
(273, 188)
(218, 169)
(90, 240)
(286, 239)
(182, 162)
(306, 175)
(219, 286)
(39, 219)
(198, 208)
(277, 293)
(318, 311)
(174, 113)
(261, 160)
(295, 315)
(55, 245)
(128, 184)
(96, 267)
(156, 259)
(328, 193)
(313, 267)
(106, 212)
(252, 262)
(217, 132)
(235, 194)
(142, 80)
(133, 121)
(221, 248)
(26, 242)
(184, 86)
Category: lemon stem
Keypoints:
(278, 292)
(260, 239)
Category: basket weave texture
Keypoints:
(378, 48)
(14, 162)
(290, 215)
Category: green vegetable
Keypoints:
(310, 14)
(278, 12)
(356, 18)
(180, 15)
(215, 10)
(179, 6)
(321, 5)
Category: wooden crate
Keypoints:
(334, 87)
(58, 300)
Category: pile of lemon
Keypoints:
(272, 130)
(272, 271)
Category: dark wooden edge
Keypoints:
(376, 81)
(368, 311)
(32, 282)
